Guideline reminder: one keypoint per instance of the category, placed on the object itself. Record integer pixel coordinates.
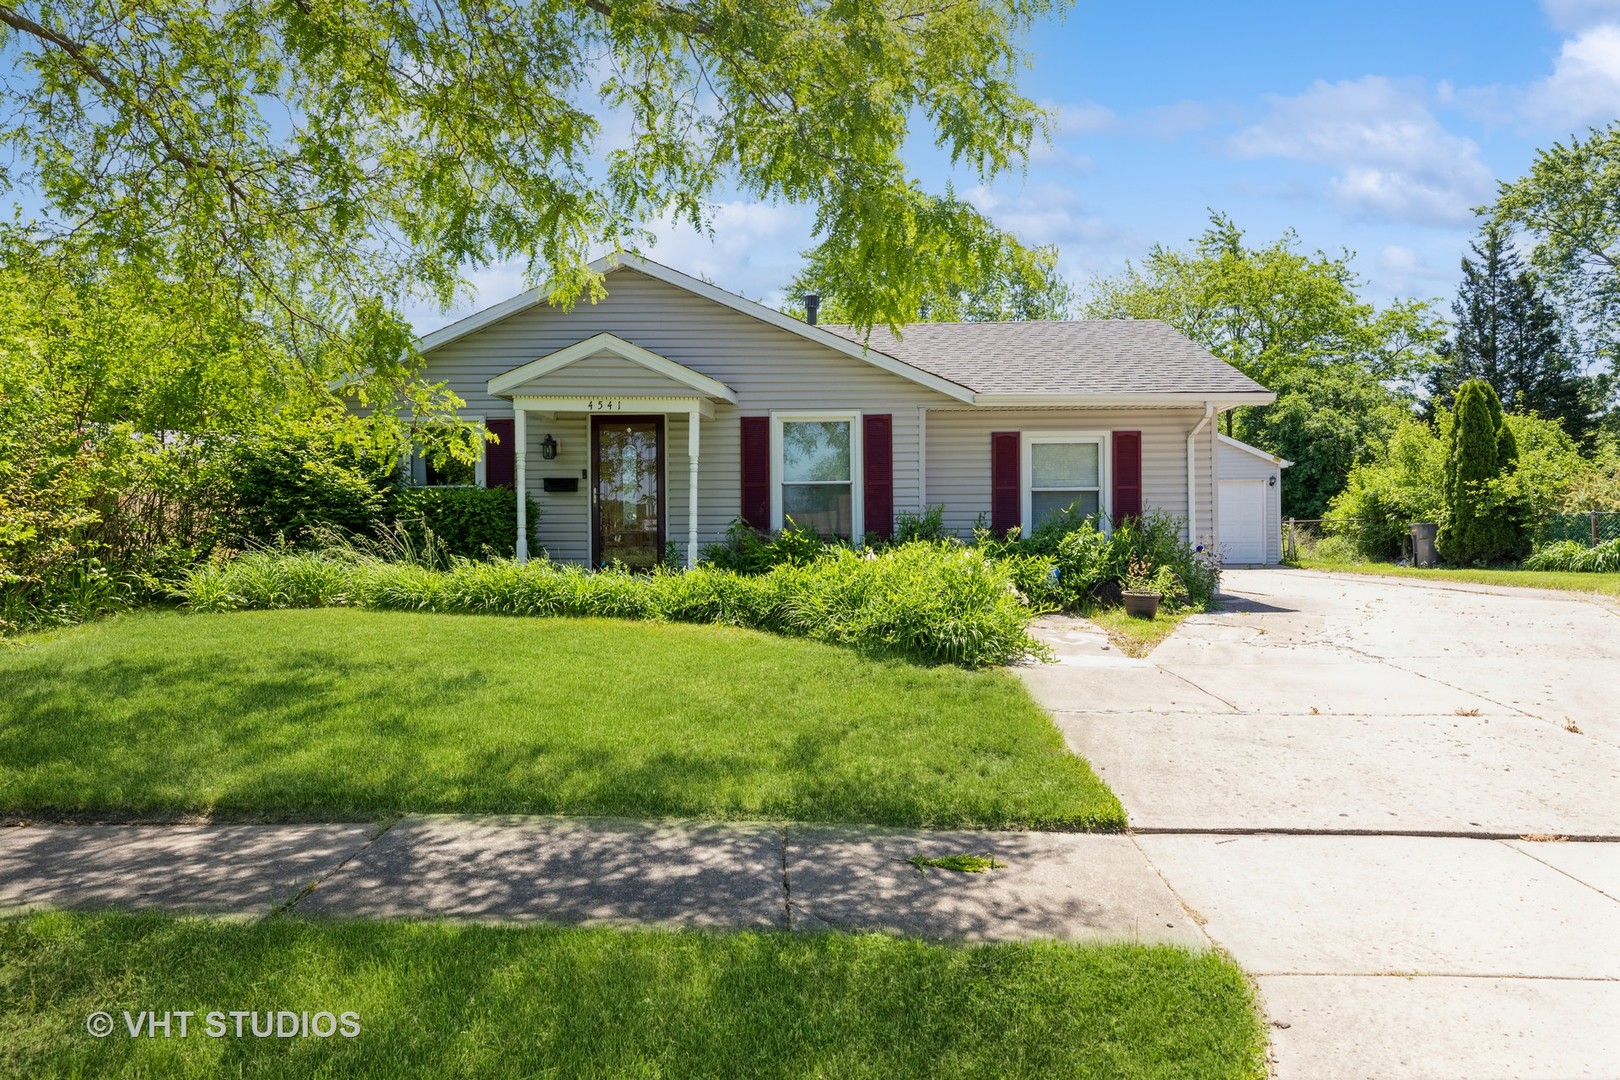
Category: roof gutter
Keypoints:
(1192, 472)
(1124, 400)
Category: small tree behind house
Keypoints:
(1481, 523)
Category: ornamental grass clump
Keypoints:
(927, 601)
(1571, 557)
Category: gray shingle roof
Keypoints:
(1092, 356)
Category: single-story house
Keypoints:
(653, 419)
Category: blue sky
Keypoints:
(1375, 126)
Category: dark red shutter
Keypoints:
(877, 450)
(756, 471)
(1127, 475)
(1006, 509)
(500, 457)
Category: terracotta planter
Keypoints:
(1143, 605)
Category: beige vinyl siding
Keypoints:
(1241, 465)
(958, 455)
(608, 375)
(1208, 481)
(768, 368)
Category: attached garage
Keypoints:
(1250, 514)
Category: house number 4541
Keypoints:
(604, 405)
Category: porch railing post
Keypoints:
(692, 421)
(520, 479)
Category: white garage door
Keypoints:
(1243, 521)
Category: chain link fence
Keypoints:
(1342, 538)
(1591, 528)
(1345, 538)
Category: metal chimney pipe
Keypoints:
(812, 306)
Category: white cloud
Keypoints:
(1044, 214)
(1400, 259)
(1584, 86)
(1572, 15)
(1084, 118)
(1157, 121)
(754, 251)
(1181, 117)
(1392, 159)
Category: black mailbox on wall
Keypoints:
(560, 483)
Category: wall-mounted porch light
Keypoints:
(548, 448)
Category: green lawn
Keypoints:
(338, 714)
(435, 999)
(1605, 584)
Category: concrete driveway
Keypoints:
(1374, 793)
(1342, 703)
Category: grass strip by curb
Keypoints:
(436, 999)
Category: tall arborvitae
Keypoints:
(1482, 522)
(1509, 334)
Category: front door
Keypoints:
(627, 491)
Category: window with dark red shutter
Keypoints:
(500, 457)
(1127, 475)
(877, 450)
(1005, 503)
(756, 472)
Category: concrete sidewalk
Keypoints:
(605, 872)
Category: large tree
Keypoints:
(1569, 203)
(308, 166)
(1008, 282)
(1508, 333)
(1294, 322)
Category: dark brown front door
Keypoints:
(627, 491)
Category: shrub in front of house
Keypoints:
(472, 522)
(936, 603)
(746, 550)
(288, 478)
(1071, 563)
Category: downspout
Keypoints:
(1192, 472)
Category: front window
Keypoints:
(818, 479)
(1060, 472)
(448, 472)
(436, 467)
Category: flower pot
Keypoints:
(1143, 605)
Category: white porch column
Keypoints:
(520, 479)
(692, 421)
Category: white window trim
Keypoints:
(419, 463)
(1105, 471)
(857, 484)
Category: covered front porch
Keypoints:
(596, 432)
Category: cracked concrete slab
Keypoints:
(1395, 1028)
(568, 870)
(1118, 686)
(1504, 775)
(1055, 885)
(1303, 681)
(1351, 905)
(215, 869)
(1593, 865)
